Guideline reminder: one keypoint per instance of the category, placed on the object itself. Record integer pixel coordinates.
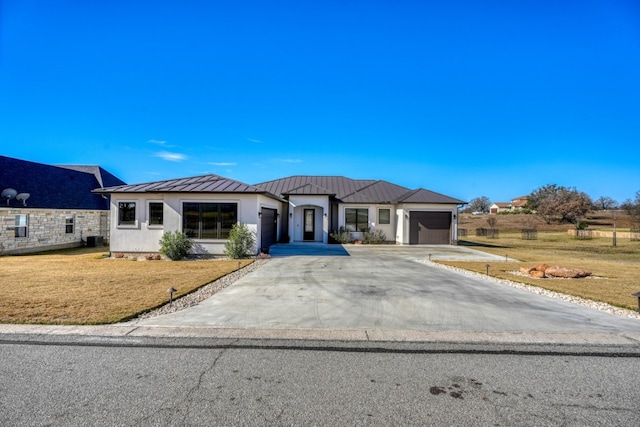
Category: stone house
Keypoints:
(45, 207)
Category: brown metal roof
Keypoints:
(339, 186)
(349, 190)
(197, 184)
(427, 196)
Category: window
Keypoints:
(209, 220)
(22, 225)
(127, 213)
(156, 213)
(68, 224)
(384, 216)
(356, 219)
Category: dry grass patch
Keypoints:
(616, 269)
(85, 287)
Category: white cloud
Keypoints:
(289, 161)
(156, 141)
(223, 163)
(257, 141)
(172, 157)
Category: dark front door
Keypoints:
(309, 224)
(269, 227)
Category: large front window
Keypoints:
(208, 220)
(356, 219)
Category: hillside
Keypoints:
(515, 222)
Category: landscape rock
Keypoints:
(526, 270)
(567, 273)
(541, 267)
(537, 274)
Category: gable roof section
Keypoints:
(349, 190)
(427, 196)
(54, 187)
(333, 185)
(197, 184)
(310, 189)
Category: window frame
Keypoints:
(19, 227)
(130, 223)
(358, 227)
(216, 213)
(69, 221)
(388, 219)
(151, 224)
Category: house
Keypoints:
(292, 209)
(45, 207)
(516, 204)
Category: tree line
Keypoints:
(565, 204)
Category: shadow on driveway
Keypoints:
(306, 249)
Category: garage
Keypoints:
(429, 228)
(269, 228)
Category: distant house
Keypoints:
(45, 207)
(292, 209)
(516, 204)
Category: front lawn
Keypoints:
(83, 286)
(616, 270)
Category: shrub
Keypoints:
(241, 242)
(373, 237)
(342, 235)
(175, 245)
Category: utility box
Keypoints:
(94, 241)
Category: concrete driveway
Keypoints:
(385, 288)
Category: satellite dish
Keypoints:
(23, 198)
(8, 193)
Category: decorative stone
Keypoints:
(537, 274)
(568, 273)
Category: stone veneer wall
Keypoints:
(47, 229)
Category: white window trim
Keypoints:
(26, 226)
(154, 226)
(117, 218)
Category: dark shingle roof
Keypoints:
(197, 184)
(55, 187)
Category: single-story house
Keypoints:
(516, 204)
(293, 209)
(46, 207)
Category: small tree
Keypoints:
(241, 242)
(175, 245)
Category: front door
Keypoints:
(309, 224)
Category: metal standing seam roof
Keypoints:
(199, 184)
(421, 195)
(335, 185)
(349, 190)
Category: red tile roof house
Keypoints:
(293, 209)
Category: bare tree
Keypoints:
(480, 204)
(605, 203)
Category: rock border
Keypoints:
(206, 291)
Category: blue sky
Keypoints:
(468, 98)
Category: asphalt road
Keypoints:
(217, 382)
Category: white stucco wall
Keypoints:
(142, 237)
(373, 219)
(320, 204)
